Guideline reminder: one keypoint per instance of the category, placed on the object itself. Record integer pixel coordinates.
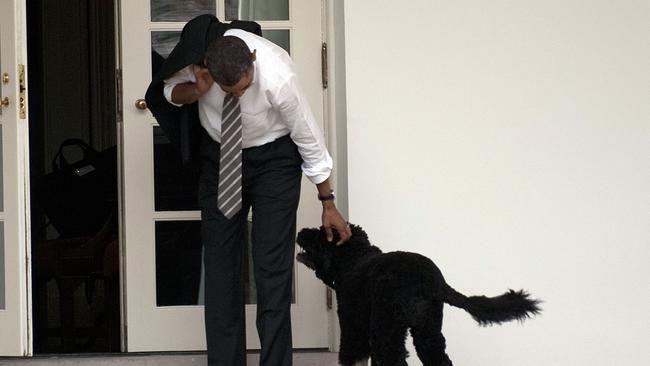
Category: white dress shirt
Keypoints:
(273, 106)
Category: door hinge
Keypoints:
(118, 91)
(22, 92)
(323, 57)
(328, 298)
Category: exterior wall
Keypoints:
(510, 142)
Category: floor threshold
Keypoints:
(300, 358)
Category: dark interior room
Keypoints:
(73, 172)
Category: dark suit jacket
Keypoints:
(181, 124)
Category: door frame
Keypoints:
(15, 211)
(335, 121)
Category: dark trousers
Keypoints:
(271, 186)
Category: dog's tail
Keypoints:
(512, 305)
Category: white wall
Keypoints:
(510, 142)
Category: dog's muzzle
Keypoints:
(303, 258)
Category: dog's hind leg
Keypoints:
(427, 335)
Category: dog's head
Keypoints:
(327, 259)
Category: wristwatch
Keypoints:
(329, 197)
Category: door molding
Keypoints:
(336, 125)
(18, 305)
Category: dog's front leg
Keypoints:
(387, 334)
(354, 347)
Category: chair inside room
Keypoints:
(82, 268)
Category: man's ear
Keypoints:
(254, 55)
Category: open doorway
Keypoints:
(73, 160)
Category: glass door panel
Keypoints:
(178, 262)
(258, 10)
(163, 42)
(180, 11)
(281, 37)
(175, 183)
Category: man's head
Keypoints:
(230, 63)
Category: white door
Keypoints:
(14, 301)
(162, 250)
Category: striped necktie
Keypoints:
(229, 199)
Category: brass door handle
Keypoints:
(5, 102)
(141, 104)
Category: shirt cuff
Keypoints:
(168, 93)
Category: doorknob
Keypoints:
(141, 104)
(5, 78)
(5, 102)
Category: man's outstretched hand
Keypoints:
(332, 220)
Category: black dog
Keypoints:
(382, 295)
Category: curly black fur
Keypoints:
(383, 295)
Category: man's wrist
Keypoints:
(326, 197)
(328, 205)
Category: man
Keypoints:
(261, 136)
